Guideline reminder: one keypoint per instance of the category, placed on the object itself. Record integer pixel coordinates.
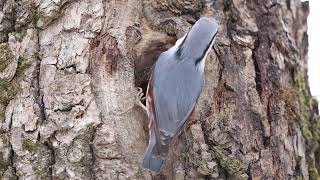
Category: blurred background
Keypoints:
(314, 48)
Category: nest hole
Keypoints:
(145, 62)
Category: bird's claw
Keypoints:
(140, 98)
(140, 94)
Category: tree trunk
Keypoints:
(69, 72)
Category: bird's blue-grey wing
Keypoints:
(175, 93)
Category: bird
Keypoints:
(174, 87)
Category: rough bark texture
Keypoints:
(69, 72)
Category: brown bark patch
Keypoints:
(104, 53)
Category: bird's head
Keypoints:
(198, 40)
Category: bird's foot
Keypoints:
(140, 98)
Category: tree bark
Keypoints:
(69, 72)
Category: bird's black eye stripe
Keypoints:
(179, 51)
(204, 52)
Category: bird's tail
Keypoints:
(151, 160)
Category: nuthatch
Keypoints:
(174, 88)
